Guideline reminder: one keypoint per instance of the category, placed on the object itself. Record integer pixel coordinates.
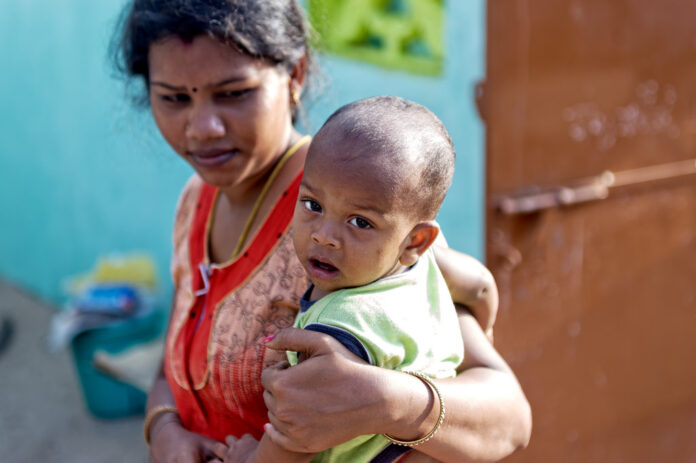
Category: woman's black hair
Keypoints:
(272, 30)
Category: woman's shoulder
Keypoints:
(185, 209)
(190, 191)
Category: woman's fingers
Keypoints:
(282, 440)
(309, 345)
(306, 402)
(306, 342)
(269, 400)
(273, 429)
(278, 428)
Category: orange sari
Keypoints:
(214, 353)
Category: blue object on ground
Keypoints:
(109, 298)
(105, 396)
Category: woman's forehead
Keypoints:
(203, 57)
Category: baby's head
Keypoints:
(375, 177)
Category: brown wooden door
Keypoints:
(590, 112)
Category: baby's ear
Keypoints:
(418, 241)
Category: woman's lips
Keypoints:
(322, 269)
(212, 158)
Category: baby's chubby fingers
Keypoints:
(230, 440)
(214, 449)
(246, 439)
(240, 449)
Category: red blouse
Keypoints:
(214, 353)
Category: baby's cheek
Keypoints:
(370, 261)
(298, 242)
(384, 255)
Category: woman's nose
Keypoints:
(325, 235)
(204, 124)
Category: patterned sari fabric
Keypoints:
(214, 354)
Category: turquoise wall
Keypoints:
(450, 96)
(83, 174)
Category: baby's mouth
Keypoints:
(326, 267)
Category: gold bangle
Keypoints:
(440, 418)
(154, 411)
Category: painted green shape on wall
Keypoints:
(395, 34)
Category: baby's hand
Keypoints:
(240, 450)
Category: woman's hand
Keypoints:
(332, 397)
(325, 400)
(171, 443)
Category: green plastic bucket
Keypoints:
(105, 396)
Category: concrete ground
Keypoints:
(43, 417)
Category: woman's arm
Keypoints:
(470, 283)
(169, 440)
(488, 416)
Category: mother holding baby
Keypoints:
(224, 80)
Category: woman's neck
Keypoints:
(247, 191)
(235, 206)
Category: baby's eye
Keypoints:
(311, 205)
(360, 222)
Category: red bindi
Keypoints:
(195, 89)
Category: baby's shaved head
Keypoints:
(402, 141)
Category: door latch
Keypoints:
(590, 189)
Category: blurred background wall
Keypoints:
(83, 173)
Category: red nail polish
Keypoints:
(268, 338)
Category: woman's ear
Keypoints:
(297, 79)
(420, 238)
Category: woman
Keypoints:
(224, 79)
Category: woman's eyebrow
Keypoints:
(230, 80)
(168, 86)
(176, 88)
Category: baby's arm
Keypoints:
(470, 283)
(248, 450)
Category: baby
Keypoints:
(375, 177)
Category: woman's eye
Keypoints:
(360, 222)
(233, 94)
(176, 98)
(311, 205)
